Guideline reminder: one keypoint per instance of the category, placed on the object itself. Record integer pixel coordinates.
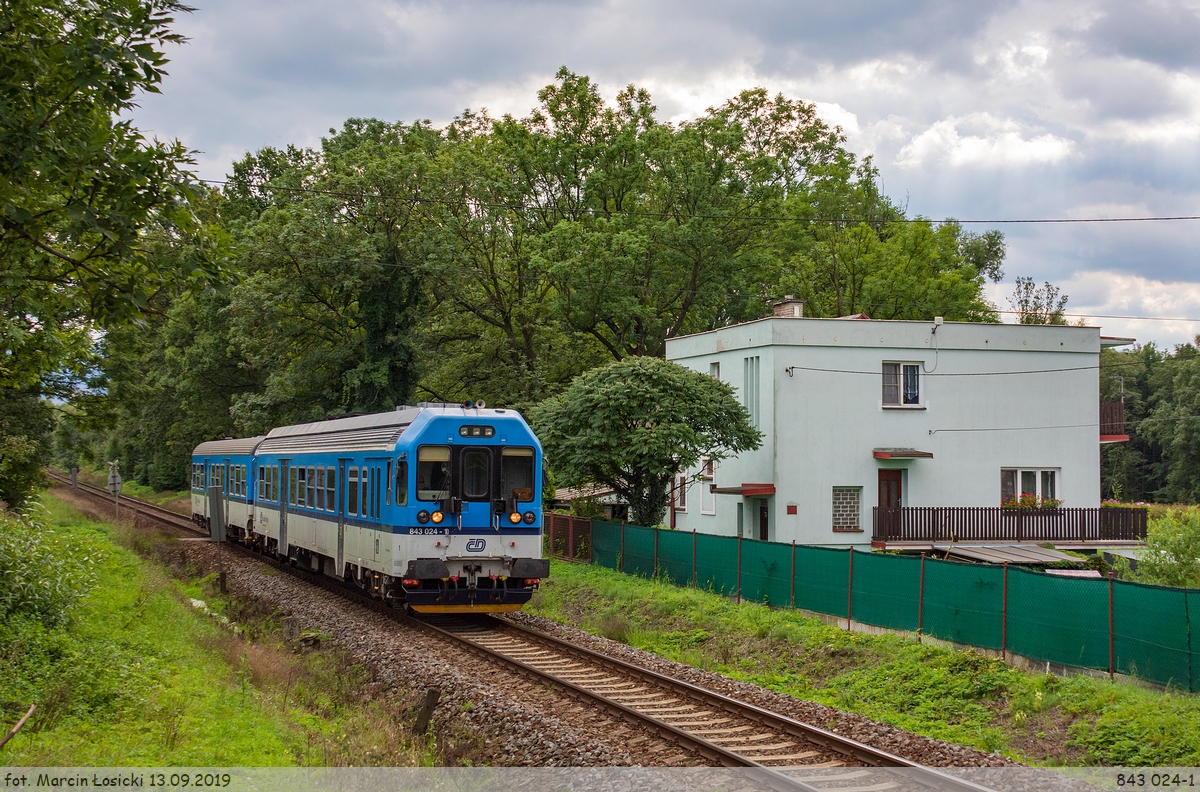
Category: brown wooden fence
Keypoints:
(994, 524)
(1112, 418)
(569, 537)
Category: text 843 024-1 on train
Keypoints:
(437, 506)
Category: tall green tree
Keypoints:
(634, 424)
(78, 186)
(333, 272)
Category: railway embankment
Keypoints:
(853, 682)
(142, 662)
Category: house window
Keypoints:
(681, 488)
(901, 384)
(714, 370)
(750, 389)
(847, 503)
(708, 498)
(1038, 484)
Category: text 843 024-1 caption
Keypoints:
(1167, 779)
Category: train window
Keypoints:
(312, 488)
(292, 486)
(331, 489)
(402, 483)
(352, 492)
(516, 473)
(433, 473)
(476, 474)
(321, 489)
(301, 486)
(365, 490)
(275, 483)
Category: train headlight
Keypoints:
(514, 518)
(422, 516)
(530, 517)
(437, 517)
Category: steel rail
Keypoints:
(777, 780)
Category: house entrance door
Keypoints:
(889, 503)
(763, 520)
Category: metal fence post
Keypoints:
(850, 591)
(793, 605)
(656, 532)
(921, 602)
(739, 570)
(1004, 619)
(1112, 642)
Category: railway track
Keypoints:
(784, 754)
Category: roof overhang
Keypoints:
(902, 453)
(1121, 438)
(1107, 342)
(745, 490)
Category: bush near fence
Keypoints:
(1151, 632)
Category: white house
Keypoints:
(859, 413)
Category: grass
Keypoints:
(960, 696)
(141, 677)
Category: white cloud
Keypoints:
(1102, 297)
(1000, 144)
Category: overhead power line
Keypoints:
(521, 207)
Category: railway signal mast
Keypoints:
(114, 485)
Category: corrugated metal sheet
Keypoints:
(377, 432)
(1012, 554)
(240, 446)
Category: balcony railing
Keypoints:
(994, 524)
(1112, 419)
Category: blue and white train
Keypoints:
(437, 507)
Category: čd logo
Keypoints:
(476, 545)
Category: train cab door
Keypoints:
(341, 516)
(285, 493)
(475, 474)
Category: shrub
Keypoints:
(1172, 554)
(43, 573)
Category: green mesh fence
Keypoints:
(1151, 634)
(675, 556)
(1193, 611)
(767, 572)
(887, 590)
(1063, 620)
(822, 576)
(638, 558)
(716, 563)
(606, 543)
(1156, 633)
(964, 603)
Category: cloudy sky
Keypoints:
(981, 110)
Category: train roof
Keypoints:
(377, 432)
(230, 446)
